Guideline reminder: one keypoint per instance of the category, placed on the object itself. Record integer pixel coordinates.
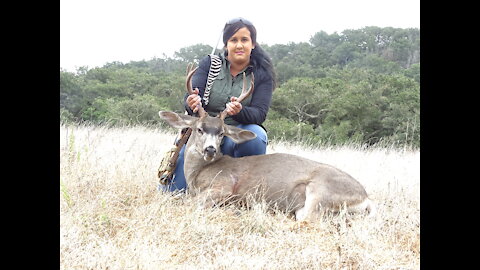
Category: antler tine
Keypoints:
(188, 86)
(243, 95)
(188, 82)
(189, 67)
(246, 93)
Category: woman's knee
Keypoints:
(258, 130)
(257, 146)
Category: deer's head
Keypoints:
(207, 131)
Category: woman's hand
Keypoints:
(233, 107)
(194, 100)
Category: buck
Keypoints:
(296, 185)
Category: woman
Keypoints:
(241, 55)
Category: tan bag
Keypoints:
(169, 161)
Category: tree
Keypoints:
(325, 41)
(344, 53)
(70, 92)
(304, 100)
(193, 53)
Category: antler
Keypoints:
(188, 86)
(243, 95)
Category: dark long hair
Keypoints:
(258, 57)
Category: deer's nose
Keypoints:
(210, 151)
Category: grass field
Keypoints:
(112, 216)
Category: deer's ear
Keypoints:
(239, 135)
(177, 120)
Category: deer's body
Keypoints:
(287, 182)
(280, 179)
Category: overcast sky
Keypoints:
(95, 32)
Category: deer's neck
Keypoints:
(193, 165)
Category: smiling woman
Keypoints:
(242, 62)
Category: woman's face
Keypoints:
(239, 46)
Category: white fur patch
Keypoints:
(210, 140)
(366, 206)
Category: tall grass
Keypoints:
(112, 216)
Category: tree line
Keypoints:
(360, 85)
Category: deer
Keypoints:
(300, 187)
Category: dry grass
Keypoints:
(112, 217)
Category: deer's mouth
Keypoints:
(208, 158)
(209, 153)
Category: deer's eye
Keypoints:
(199, 130)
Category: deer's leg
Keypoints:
(309, 211)
(214, 197)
